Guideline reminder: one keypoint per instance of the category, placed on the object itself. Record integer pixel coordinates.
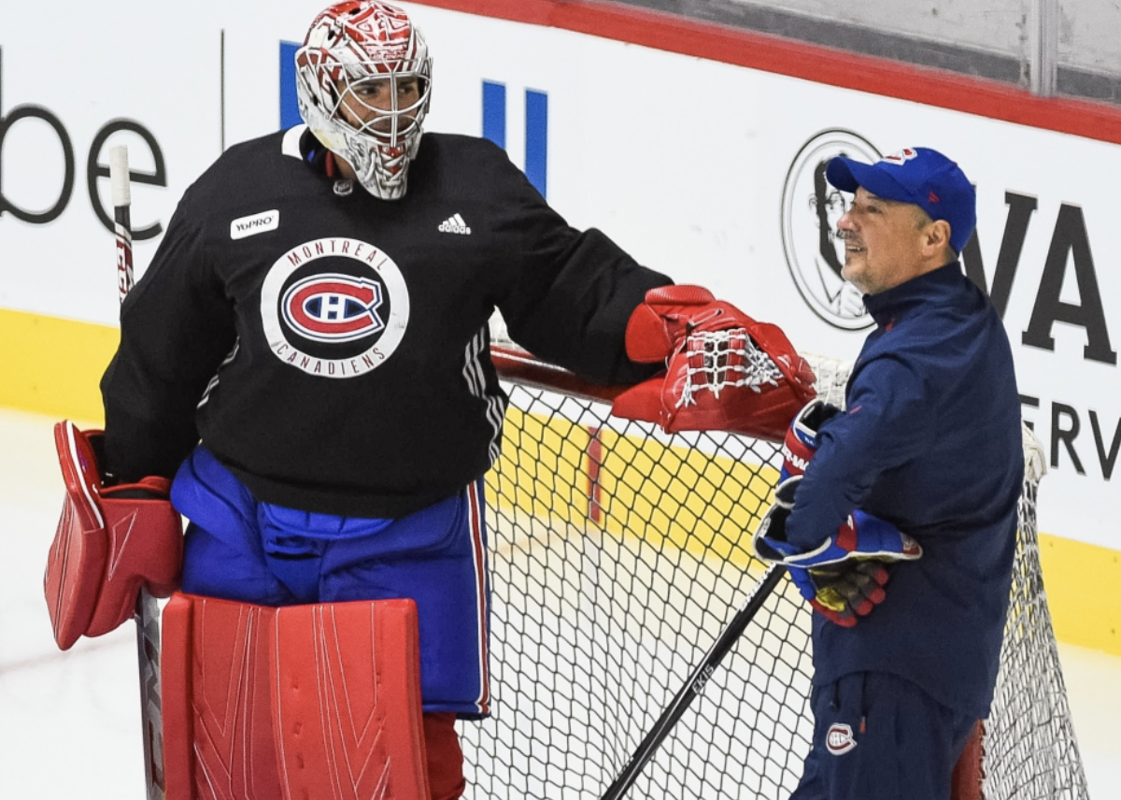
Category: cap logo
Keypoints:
(902, 157)
(932, 197)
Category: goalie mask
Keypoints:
(363, 82)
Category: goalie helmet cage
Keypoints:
(619, 553)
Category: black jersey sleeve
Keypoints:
(570, 292)
(176, 327)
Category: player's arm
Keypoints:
(176, 327)
(843, 577)
(566, 295)
(574, 311)
(881, 428)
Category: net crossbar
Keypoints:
(618, 554)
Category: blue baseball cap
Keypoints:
(916, 175)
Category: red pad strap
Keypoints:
(106, 546)
(318, 701)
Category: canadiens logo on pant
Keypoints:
(838, 739)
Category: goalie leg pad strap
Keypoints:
(316, 701)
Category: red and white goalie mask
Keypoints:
(363, 82)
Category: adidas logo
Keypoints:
(454, 224)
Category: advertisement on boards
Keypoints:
(709, 171)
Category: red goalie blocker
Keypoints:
(110, 542)
(724, 370)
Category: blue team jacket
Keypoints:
(930, 441)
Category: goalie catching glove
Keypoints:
(844, 576)
(724, 370)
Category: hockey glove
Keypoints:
(843, 592)
(801, 437)
(843, 578)
(110, 542)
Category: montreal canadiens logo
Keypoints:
(334, 307)
(839, 739)
(902, 157)
(811, 208)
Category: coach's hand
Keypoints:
(843, 577)
(843, 592)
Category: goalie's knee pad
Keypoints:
(314, 701)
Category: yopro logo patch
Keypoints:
(254, 224)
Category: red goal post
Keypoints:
(618, 553)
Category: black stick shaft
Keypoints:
(695, 684)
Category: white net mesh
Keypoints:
(618, 554)
(832, 375)
(1029, 747)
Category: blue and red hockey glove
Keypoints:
(843, 577)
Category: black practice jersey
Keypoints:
(332, 350)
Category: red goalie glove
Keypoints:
(724, 370)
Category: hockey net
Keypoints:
(618, 554)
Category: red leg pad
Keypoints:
(348, 701)
(316, 702)
(217, 714)
(968, 773)
(445, 757)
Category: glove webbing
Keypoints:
(721, 369)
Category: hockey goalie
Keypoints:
(305, 360)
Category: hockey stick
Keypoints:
(147, 612)
(695, 685)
